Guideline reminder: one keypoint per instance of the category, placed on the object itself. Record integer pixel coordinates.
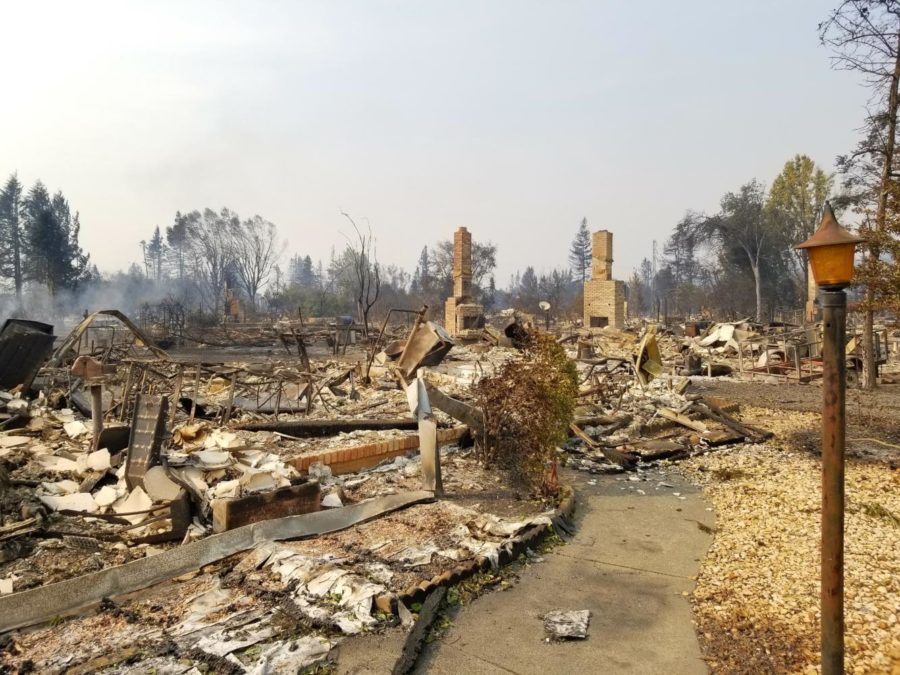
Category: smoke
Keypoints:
(123, 291)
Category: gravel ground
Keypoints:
(870, 414)
(757, 596)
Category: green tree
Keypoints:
(555, 288)
(580, 252)
(54, 257)
(795, 204)
(12, 234)
(864, 37)
(528, 293)
(301, 272)
(637, 295)
(153, 252)
(422, 277)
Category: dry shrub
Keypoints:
(528, 406)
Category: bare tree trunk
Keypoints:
(870, 371)
(757, 283)
(17, 267)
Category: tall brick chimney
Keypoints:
(604, 297)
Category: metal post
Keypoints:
(834, 306)
(96, 414)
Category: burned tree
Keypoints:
(742, 223)
(528, 406)
(366, 272)
(864, 36)
(254, 252)
(210, 254)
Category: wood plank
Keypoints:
(683, 420)
(611, 454)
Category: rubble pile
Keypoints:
(127, 453)
(633, 412)
(291, 490)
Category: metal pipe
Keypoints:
(96, 414)
(834, 316)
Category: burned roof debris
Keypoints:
(299, 474)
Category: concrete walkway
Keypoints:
(630, 563)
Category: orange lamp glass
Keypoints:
(831, 250)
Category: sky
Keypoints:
(513, 118)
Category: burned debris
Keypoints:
(306, 479)
(127, 466)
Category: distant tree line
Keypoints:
(740, 260)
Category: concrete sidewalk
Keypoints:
(630, 563)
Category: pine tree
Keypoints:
(54, 258)
(12, 234)
(489, 297)
(156, 249)
(580, 252)
(423, 274)
(177, 238)
(307, 273)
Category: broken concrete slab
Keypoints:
(567, 624)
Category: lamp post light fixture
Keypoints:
(831, 251)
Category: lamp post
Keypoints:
(831, 250)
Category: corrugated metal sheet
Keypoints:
(24, 346)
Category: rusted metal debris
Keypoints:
(427, 345)
(148, 429)
(138, 339)
(24, 346)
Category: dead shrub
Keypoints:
(528, 406)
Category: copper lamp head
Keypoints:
(831, 250)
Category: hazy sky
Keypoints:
(513, 118)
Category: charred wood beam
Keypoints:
(614, 456)
(469, 415)
(714, 412)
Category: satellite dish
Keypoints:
(544, 305)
